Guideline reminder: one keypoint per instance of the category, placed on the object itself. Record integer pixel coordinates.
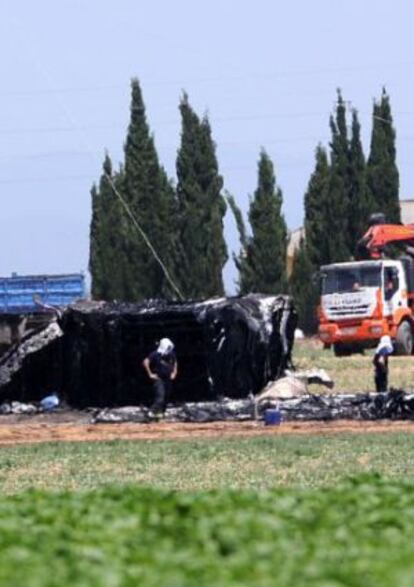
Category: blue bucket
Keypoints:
(272, 417)
(50, 402)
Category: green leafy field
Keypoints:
(258, 511)
(358, 534)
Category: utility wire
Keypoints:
(66, 110)
(212, 79)
(48, 179)
(64, 178)
(214, 120)
(144, 236)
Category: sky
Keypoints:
(266, 72)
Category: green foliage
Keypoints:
(338, 190)
(185, 226)
(262, 262)
(151, 200)
(241, 261)
(303, 289)
(341, 195)
(357, 534)
(121, 263)
(96, 253)
(360, 201)
(238, 216)
(338, 202)
(115, 227)
(201, 208)
(316, 204)
(107, 258)
(382, 172)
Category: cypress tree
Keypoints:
(115, 228)
(303, 289)
(338, 190)
(310, 256)
(382, 171)
(96, 245)
(316, 210)
(263, 266)
(243, 266)
(201, 208)
(149, 197)
(360, 204)
(106, 251)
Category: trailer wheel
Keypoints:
(404, 339)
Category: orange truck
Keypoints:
(363, 300)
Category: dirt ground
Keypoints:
(76, 426)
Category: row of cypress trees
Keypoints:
(343, 190)
(184, 221)
(139, 218)
(149, 238)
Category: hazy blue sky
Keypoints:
(265, 71)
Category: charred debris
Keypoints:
(393, 405)
(226, 347)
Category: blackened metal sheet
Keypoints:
(225, 347)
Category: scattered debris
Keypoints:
(228, 348)
(396, 405)
(293, 385)
(227, 409)
(18, 408)
(12, 361)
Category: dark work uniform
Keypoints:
(381, 370)
(162, 366)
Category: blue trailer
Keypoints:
(28, 294)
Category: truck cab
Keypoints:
(363, 300)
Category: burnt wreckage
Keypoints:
(226, 347)
(393, 405)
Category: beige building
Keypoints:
(407, 211)
(293, 244)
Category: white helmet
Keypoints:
(165, 346)
(385, 343)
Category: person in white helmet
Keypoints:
(161, 367)
(382, 352)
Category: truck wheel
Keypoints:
(404, 339)
(341, 350)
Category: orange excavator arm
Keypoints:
(379, 236)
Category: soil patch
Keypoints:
(75, 427)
